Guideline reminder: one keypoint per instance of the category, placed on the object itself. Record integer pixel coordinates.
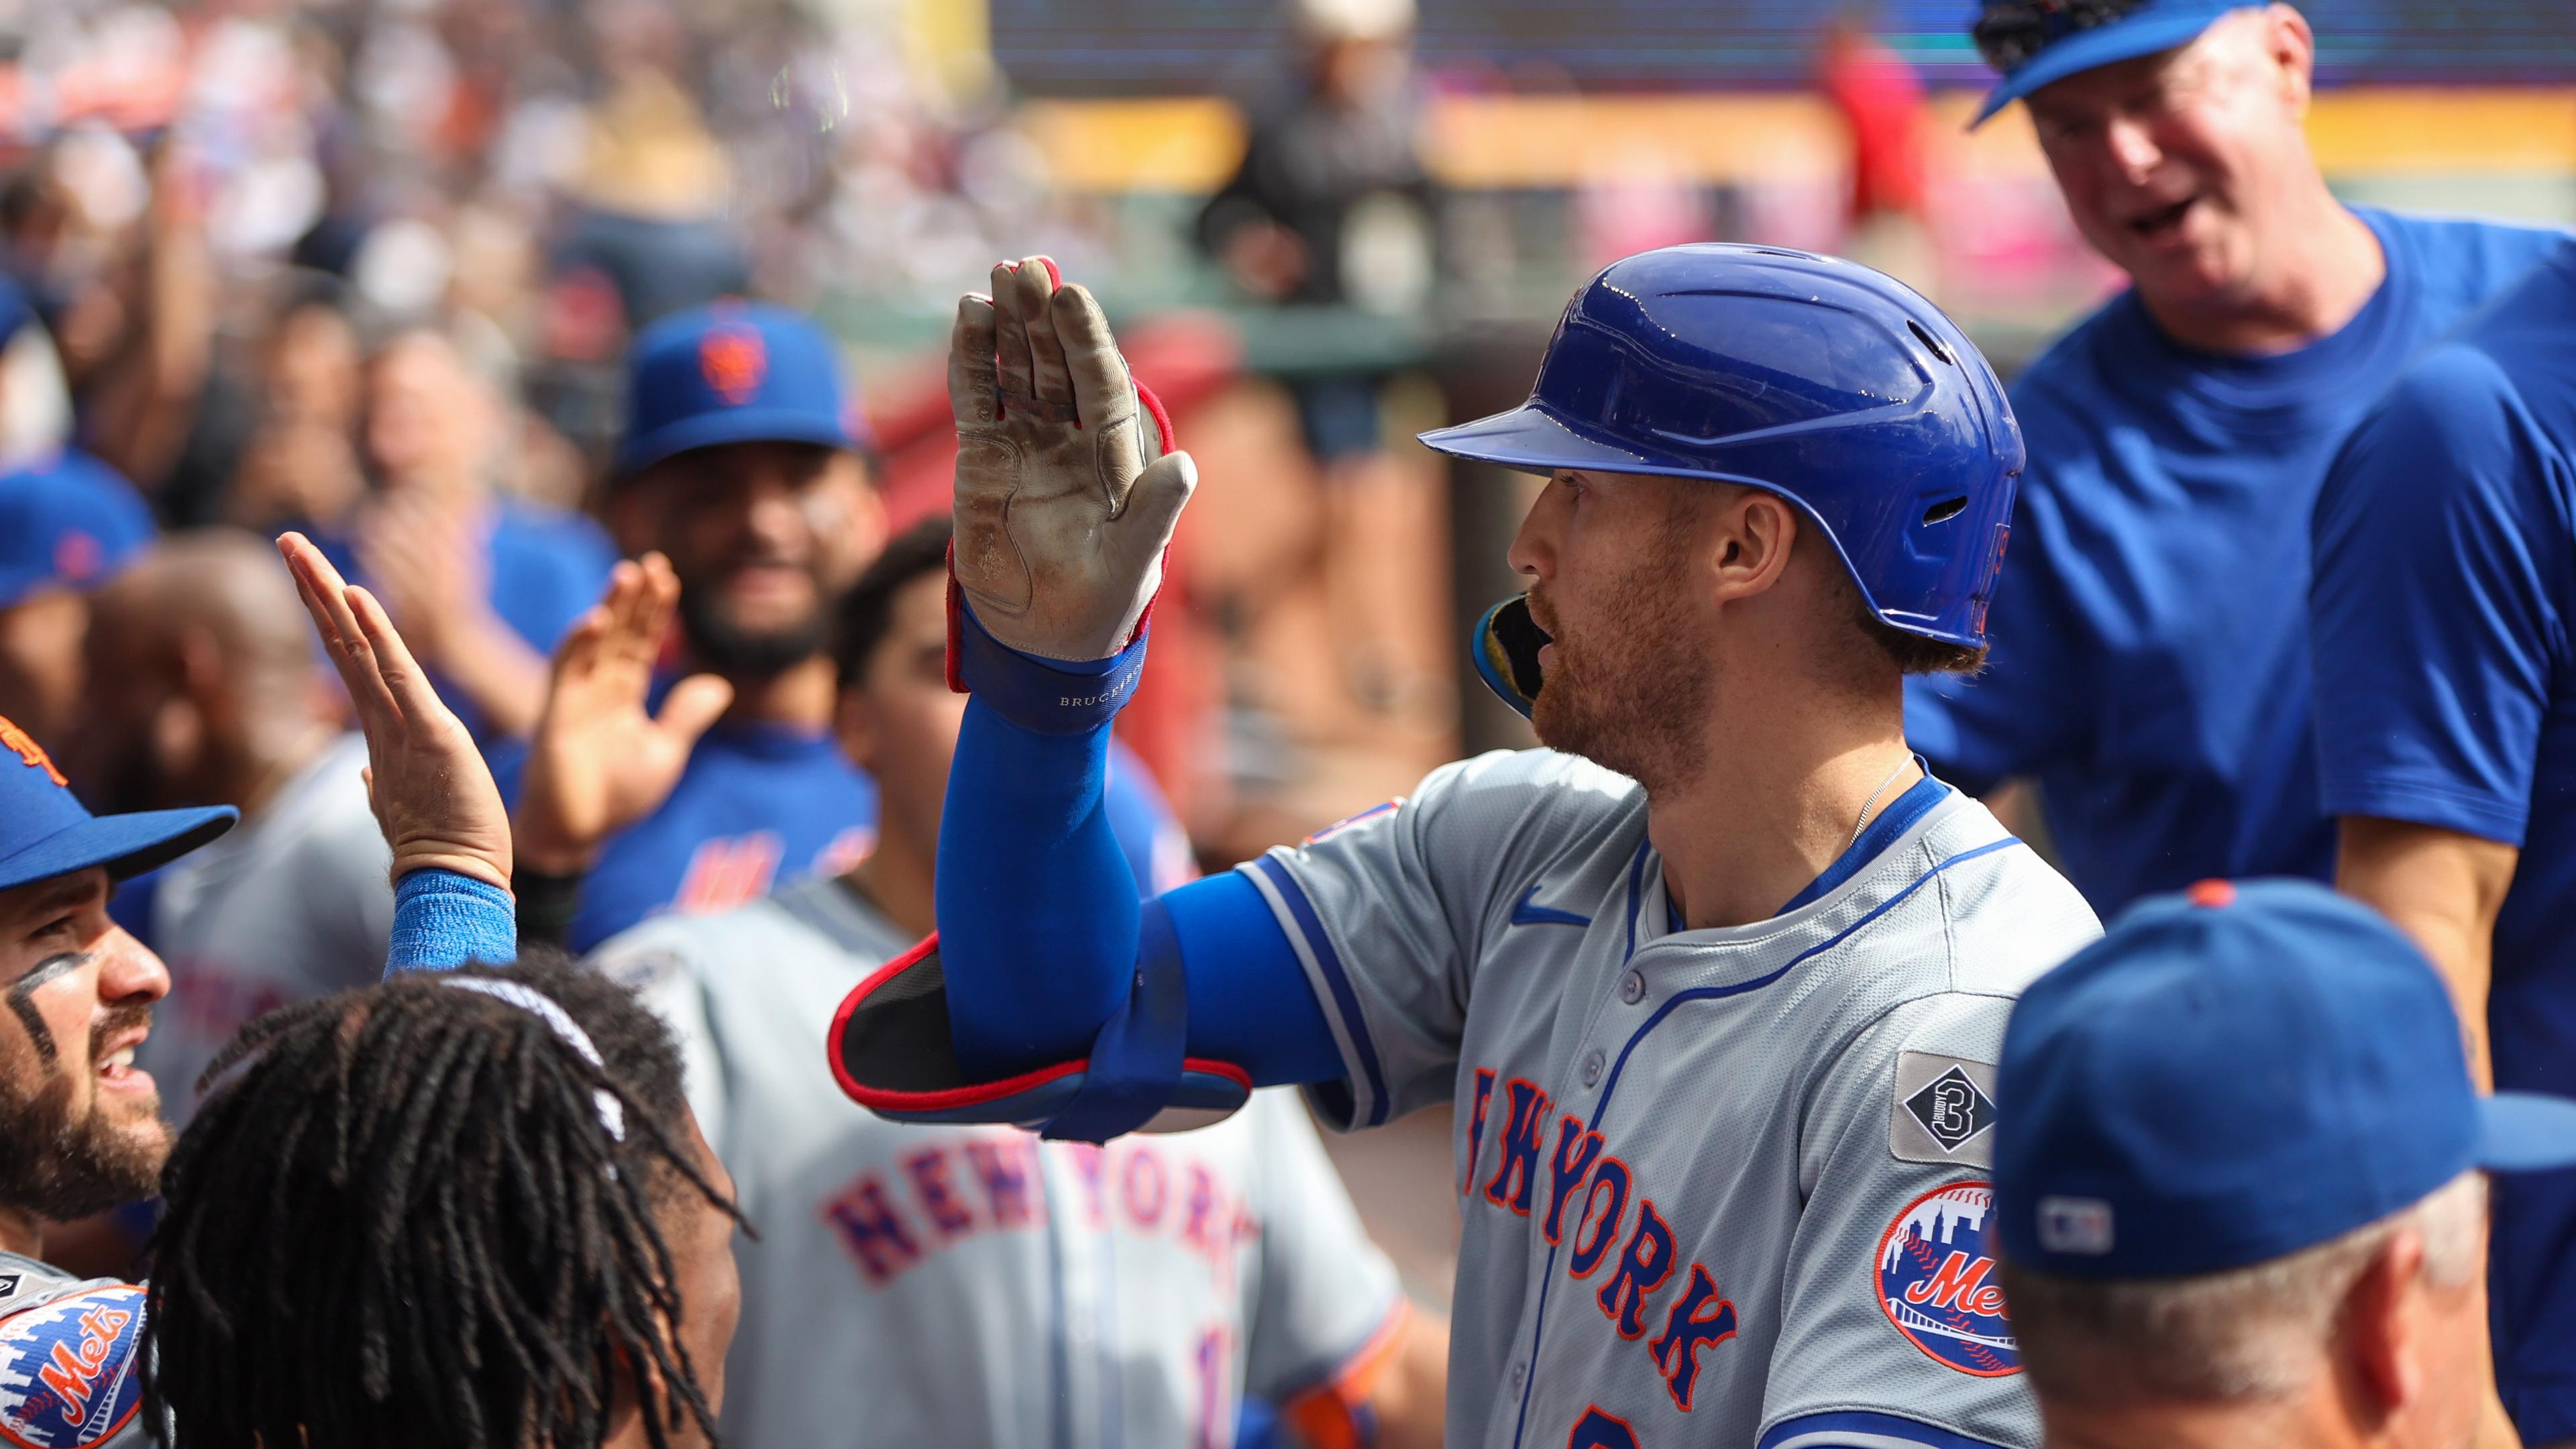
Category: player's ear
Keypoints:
(2292, 47)
(2381, 1325)
(632, 1377)
(1745, 539)
(625, 1409)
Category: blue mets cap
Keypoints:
(2233, 1074)
(70, 523)
(2040, 42)
(45, 831)
(731, 372)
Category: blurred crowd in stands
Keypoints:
(372, 270)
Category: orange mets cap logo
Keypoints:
(24, 746)
(734, 360)
(78, 557)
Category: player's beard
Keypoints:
(61, 1165)
(729, 648)
(1616, 693)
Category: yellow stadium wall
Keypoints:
(1508, 142)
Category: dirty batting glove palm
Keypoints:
(1067, 484)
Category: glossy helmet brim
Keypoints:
(1531, 438)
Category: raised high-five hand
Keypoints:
(1066, 493)
(600, 761)
(431, 792)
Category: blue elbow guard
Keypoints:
(891, 1052)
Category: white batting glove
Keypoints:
(1066, 496)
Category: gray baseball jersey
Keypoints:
(1721, 1187)
(71, 1375)
(294, 903)
(972, 1285)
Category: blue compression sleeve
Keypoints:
(442, 920)
(1037, 908)
(1038, 918)
(1250, 1001)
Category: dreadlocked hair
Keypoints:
(398, 1218)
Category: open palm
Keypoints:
(431, 792)
(601, 760)
(1067, 487)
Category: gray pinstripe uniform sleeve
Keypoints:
(1388, 912)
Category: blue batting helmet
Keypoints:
(1836, 387)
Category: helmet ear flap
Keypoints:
(1507, 645)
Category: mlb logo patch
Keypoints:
(67, 1369)
(734, 361)
(1934, 1280)
(2075, 1225)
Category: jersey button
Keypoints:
(1632, 988)
(1593, 1061)
(1519, 1372)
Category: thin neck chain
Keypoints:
(1863, 823)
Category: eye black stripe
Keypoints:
(25, 987)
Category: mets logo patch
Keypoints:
(68, 1371)
(733, 360)
(1935, 1275)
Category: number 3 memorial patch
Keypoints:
(1945, 1111)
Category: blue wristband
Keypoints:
(1045, 696)
(443, 920)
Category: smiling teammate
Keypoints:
(2150, 665)
(80, 1128)
(1715, 991)
(740, 464)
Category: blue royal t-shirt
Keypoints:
(547, 567)
(2444, 600)
(760, 805)
(2150, 662)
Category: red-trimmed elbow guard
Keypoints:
(891, 1053)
